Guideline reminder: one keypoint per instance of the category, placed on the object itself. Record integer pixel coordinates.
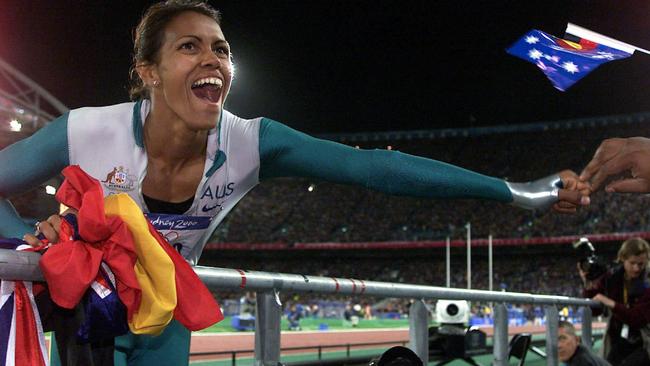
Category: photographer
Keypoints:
(625, 293)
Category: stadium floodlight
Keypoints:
(21, 96)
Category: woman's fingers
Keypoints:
(49, 229)
(32, 240)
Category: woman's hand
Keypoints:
(49, 228)
(605, 300)
(562, 191)
(575, 192)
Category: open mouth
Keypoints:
(208, 89)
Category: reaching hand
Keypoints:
(605, 300)
(575, 193)
(547, 192)
(620, 155)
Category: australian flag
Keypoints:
(563, 61)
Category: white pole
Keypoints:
(448, 263)
(490, 262)
(469, 255)
(585, 33)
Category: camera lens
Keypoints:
(452, 309)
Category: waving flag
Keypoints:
(564, 61)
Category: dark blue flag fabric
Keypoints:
(563, 62)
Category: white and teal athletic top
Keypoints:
(107, 143)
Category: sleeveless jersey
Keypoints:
(106, 142)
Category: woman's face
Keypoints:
(194, 71)
(634, 265)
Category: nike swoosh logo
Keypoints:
(207, 208)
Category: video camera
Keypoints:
(451, 338)
(589, 262)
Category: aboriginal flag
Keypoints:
(565, 61)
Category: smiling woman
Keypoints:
(180, 155)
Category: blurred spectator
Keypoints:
(367, 311)
(572, 352)
(351, 315)
(247, 304)
(293, 316)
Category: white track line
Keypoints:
(205, 334)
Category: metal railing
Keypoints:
(24, 266)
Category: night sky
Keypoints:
(350, 66)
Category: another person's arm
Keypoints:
(635, 316)
(591, 289)
(287, 152)
(619, 156)
(26, 164)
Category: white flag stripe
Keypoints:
(585, 33)
(11, 350)
(6, 289)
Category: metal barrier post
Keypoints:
(419, 330)
(586, 326)
(500, 338)
(552, 318)
(267, 330)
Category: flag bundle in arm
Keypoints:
(160, 273)
(109, 247)
(566, 61)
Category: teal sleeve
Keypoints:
(286, 152)
(27, 164)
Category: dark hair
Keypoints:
(148, 36)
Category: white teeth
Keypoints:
(214, 81)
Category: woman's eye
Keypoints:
(221, 50)
(187, 46)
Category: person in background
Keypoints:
(571, 351)
(293, 316)
(625, 293)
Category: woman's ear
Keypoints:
(148, 74)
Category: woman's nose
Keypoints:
(210, 59)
